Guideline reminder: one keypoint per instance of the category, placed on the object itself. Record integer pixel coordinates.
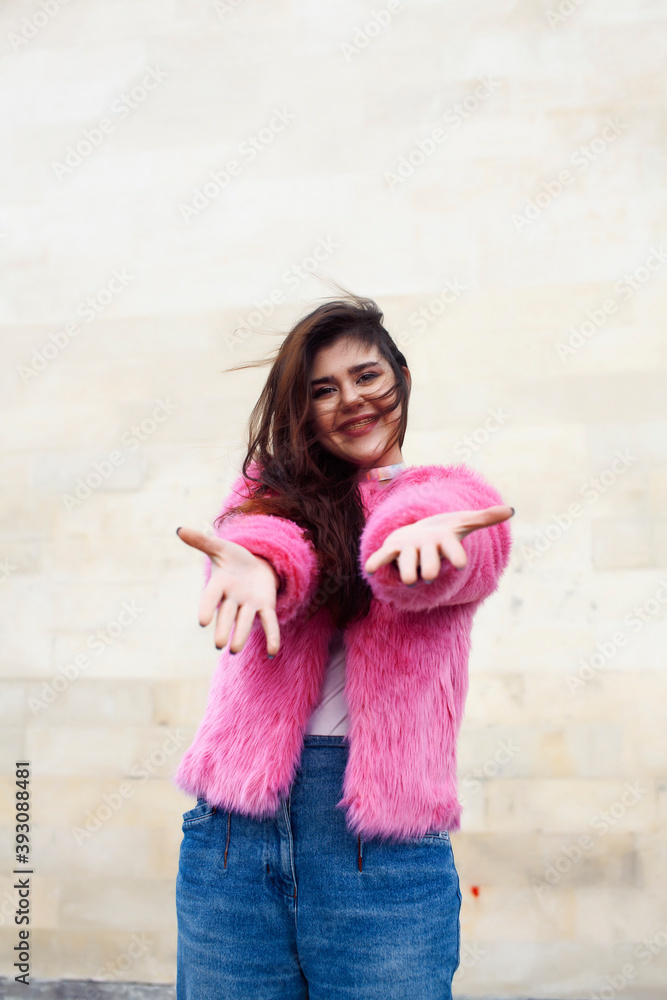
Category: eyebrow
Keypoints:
(351, 371)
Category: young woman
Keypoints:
(317, 861)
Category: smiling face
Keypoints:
(345, 376)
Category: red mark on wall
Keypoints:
(474, 890)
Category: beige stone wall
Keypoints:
(493, 174)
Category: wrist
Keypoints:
(280, 583)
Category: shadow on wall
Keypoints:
(82, 989)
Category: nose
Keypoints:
(351, 395)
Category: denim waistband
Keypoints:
(312, 740)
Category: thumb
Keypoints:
(198, 540)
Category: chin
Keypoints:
(365, 453)
(368, 459)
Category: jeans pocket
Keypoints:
(201, 811)
(441, 836)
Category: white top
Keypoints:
(329, 718)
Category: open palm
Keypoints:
(241, 586)
(421, 545)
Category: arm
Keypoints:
(423, 492)
(277, 540)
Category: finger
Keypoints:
(407, 565)
(224, 621)
(214, 593)
(269, 621)
(452, 549)
(474, 519)
(385, 554)
(244, 619)
(198, 540)
(429, 562)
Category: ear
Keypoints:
(408, 377)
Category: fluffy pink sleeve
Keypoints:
(277, 539)
(422, 492)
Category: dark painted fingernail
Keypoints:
(429, 581)
(271, 656)
(411, 584)
(232, 652)
(178, 529)
(513, 512)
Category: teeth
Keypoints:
(362, 423)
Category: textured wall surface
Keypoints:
(179, 182)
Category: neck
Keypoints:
(382, 472)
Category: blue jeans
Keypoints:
(297, 907)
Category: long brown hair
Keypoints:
(297, 478)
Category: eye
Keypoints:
(325, 390)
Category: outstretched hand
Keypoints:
(241, 586)
(421, 545)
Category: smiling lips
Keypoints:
(359, 425)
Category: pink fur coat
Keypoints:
(406, 667)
